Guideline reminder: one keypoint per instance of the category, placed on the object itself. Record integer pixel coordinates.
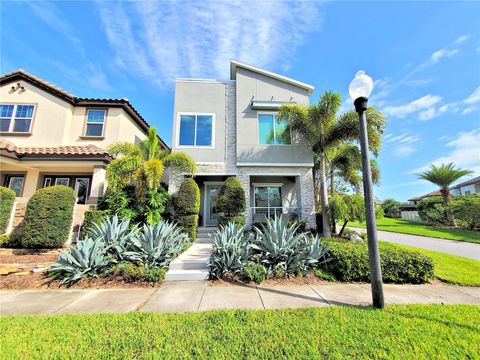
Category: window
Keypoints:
(47, 182)
(95, 122)
(467, 192)
(16, 184)
(62, 181)
(268, 201)
(271, 131)
(196, 130)
(16, 118)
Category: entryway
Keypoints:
(211, 213)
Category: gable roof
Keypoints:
(466, 183)
(236, 64)
(21, 74)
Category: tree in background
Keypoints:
(321, 127)
(466, 209)
(347, 208)
(142, 165)
(443, 176)
(391, 209)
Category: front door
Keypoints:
(211, 212)
(81, 189)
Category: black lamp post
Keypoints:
(360, 89)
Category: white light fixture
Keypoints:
(361, 86)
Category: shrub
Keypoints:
(323, 275)
(238, 220)
(157, 245)
(432, 211)
(87, 259)
(93, 217)
(230, 251)
(7, 198)
(254, 272)
(349, 262)
(10, 241)
(48, 217)
(231, 197)
(281, 249)
(187, 206)
(379, 213)
(132, 272)
(466, 209)
(390, 208)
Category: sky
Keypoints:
(424, 58)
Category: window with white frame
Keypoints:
(271, 131)
(15, 183)
(195, 130)
(16, 118)
(95, 122)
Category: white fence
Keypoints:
(411, 216)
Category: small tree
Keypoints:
(231, 201)
(48, 217)
(347, 208)
(431, 210)
(466, 209)
(391, 209)
(187, 207)
(7, 198)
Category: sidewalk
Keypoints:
(459, 248)
(199, 296)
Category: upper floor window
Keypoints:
(195, 130)
(16, 118)
(95, 122)
(271, 131)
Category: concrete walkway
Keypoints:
(199, 296)
(459, 248)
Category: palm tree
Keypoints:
(319, 125)
(345, 163)
(143, 164)
(443, 176)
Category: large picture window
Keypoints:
(16, 118)
(271, 131)
(195, 130)
(95, 122)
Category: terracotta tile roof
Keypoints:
(21, 74)
(87, 151)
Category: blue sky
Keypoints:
(423, 56)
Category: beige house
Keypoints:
(50, 137)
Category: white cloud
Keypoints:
(464, 152)
(474, 97)
(462, 39)
(421, 105)
(403, 144)
(442, 53)
(163, 41)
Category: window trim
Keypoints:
(10, 177)
(12, 119)
(177, 135)
(274, 113)
(267, 185)
(104, 124)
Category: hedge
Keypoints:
(349, 262)
(7, 198)
(238, 220)
(231, 197)
(187, 207)
(48, 217)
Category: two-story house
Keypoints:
(230, 128)
(50, 137)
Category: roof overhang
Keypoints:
(236, 64)
(268, 105)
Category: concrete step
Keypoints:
(200, 264)
(203, 240)
(186, 275)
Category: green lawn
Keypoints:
(409, 227)
(407, 332)
(450, 268)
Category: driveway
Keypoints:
(459, 248)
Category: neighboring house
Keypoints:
(468, 187)
(230, 129)
(51, 137)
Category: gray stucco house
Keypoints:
(229, 128)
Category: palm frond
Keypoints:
(443, 175)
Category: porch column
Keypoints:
(245, 180)
(98, 184)
(307, 198)
(30, 183)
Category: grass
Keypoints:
(449, 268)
(400, 331)
(413, 228)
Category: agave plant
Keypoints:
(279, 246)
(116, 235)
(317, 251)
(88, 258)
(230, 251)
(157, 245)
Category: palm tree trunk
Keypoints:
(332, 214)
(446, 201)
(343, 228)
(324, 197)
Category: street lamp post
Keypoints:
(360, 89)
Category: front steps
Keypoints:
(193, 263)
